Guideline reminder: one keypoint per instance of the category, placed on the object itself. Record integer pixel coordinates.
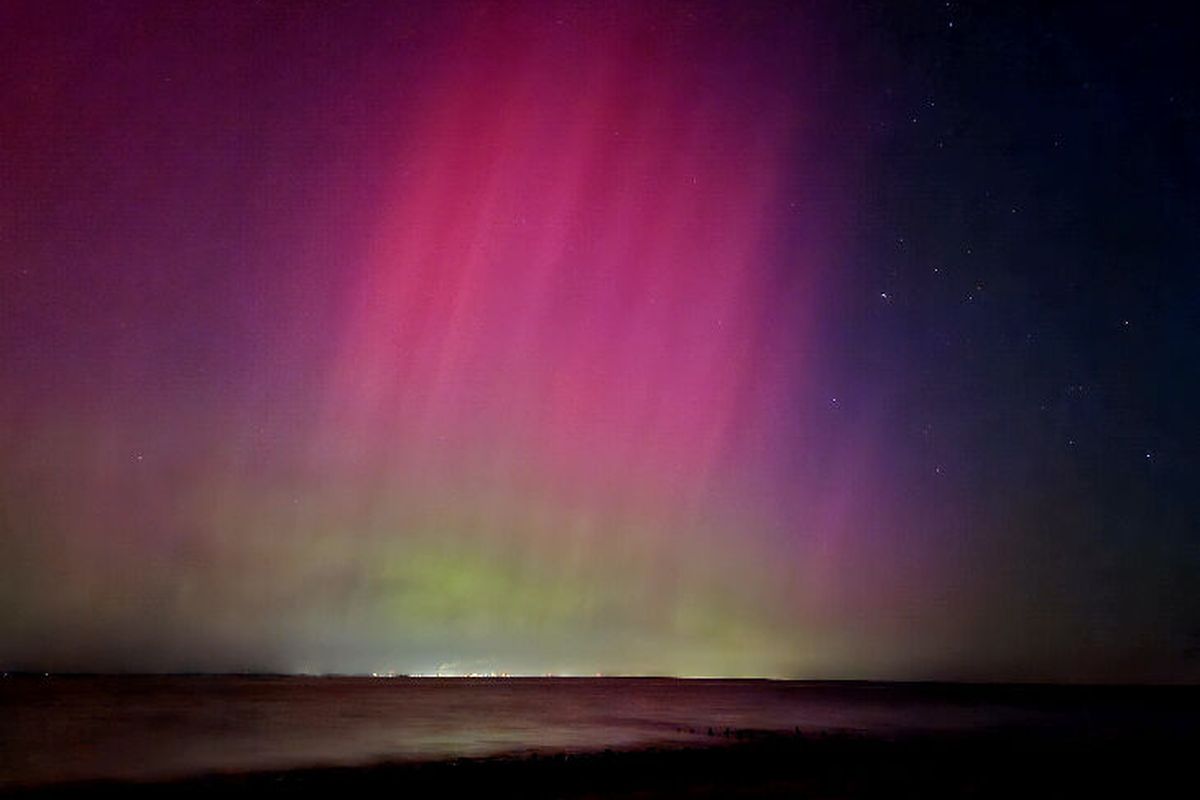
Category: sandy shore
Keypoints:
(999, 763)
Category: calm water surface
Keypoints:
(70, 728)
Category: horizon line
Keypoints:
(965, 682)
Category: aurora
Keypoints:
(621, 338)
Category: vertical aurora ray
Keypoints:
(552, 350)
(477, 359)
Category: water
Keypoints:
(73, 728)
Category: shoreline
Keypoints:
(746, 763)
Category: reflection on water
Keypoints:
(69, 728)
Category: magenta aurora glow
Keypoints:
(490, 338)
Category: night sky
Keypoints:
(819, 340)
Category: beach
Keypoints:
(599, 738)
(994, 764)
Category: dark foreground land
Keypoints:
(995, 763)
